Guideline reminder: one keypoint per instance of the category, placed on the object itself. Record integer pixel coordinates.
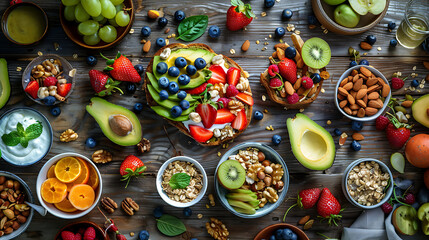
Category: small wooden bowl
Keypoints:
(74, 227)
(268, 231)
(325, 14)
(70, 28)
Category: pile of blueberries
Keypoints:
(283, 234)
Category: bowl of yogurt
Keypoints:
(25, 136)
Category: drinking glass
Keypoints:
(414, 29)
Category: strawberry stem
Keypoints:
(284, 216)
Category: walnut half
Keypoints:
(217, 229)
(143, 146)
(101, 156)
(68, 136)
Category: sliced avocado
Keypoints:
(4, 83)
(104, 111)
(245, 211)
(242, 206)
(165, 103)
(420, 109)
(247, 191)
(311, 144)
(174, 97)
(190, 54)
(164, 112)
(241, 197)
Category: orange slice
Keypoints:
(53, 191)
(68, 169)
(93, 180)
(82, 196)
(51, 172)
(65, 206)
(83, 177)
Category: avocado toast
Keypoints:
(205, 95)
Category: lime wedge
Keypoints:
(398, 162)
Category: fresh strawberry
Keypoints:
(224, 102)
(198, 90)
(122, 69)
(273, 70)
(231, 91)
(307, 83)
(218, 75)
(13, 2)
(397, 135)
(200, 134)
(239, 15)
(328, 206)
(246, 98)
(120, 237)
(224, 116)
(306, 199)
(99, 81)
(386, 207)
(208, 114)
(77, 236)
(67, 235)
(381, 122)
(132, 166)
(292, 99)
(276, 83)
(50, 81)
(89, 234)
(409, 198)
(240, 122)
(32, 88)
(233, 76)
(64, 89)
(287, 69)
(397, 83)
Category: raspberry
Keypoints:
(50, 81)
(386, 207)
(276, 83)
(224, 101)
(381, 123)
(409, 198)
(77, 236)
(306, 82)
(397, 83)
(292, 99)
(67, 235)
(273, 70)
(89, 234)
(231, 91)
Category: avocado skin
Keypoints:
(4, 82)
(420, 110)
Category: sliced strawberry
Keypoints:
(198, 90)
(218, 74)
(240, 122)
(246, 98)
(233, 76)
(32, 89)
(208, 114)
(64, 89)
(224, 116)
(200, 134)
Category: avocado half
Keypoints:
(103, 112)
(420, 109)
(311, 144)
(4, 83)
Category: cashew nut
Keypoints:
(194, 116)
(42, 92)
(62, 81)
(165, 53)
(218, 60)
(52, 90)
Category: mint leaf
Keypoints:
(20, 129)
(170, 225)
(24, 142)
(11, 139)
(179, 181)
(21, 136)
(34, 131)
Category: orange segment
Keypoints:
(82, 196)
(65, 206)
(68, 169)
(93, 180)
(53, 191)
(51, 172)
(83, 177)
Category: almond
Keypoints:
(373, 95)
(343, 103)
(341, 97)
(364, 86)
(274, 55)
(374, 104)
(353, 93)
(246, 46)
(350, 78)
(297, 84)
(354, 72)
(361, 103)
(312, 91)
(361, 93)
(365, 71)
(146, 46)
(380, 102)
(365, 99)
(372, 88)
(381, 81)
(363, 76)
(371, 81)
(370, 111)
(280, 53)
(361, 112)
(348, 86)
(354, 107)
(365, 45)
(343, 91)
(358, 137)
(407, 103)
(355, 77)
(345, 80)
(385, 90)
(358, 84)
(354, 112)
(303, 220)
(351, 99)
(347, 110)
(308, 224)
(289, 88)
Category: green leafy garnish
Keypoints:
(170, 225)
(179, 181)
(23, 136)
(192, 27)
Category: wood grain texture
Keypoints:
(254, 61)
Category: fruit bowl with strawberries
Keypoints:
(81, 230)
(48, 79)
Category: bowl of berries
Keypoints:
(81, 230)
(281, 231)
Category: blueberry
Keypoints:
(353, 63)
(214, 31)
(279, 32)
(173, 87)
(287, 14)
(404, 184)
(423, 195)
(200, 63)
(158, 211)
(184, 79)
(312, 20)
(139, 68)
(276, 139)
(287, 233)
(357, 125)
(146, 31)
(393, 42)
(55, 111)
(91, 60)
(293, 237)
(173, 71)
(130, 88)
(163, 82)
(163, 94)
(143, 235)
(272, 237)
(337, 132)
(187, 212)
(391, 25)
(258, 115)
(176, 111)
(162, 21)
(278, 234)
(181, 94)
(180, 62)
(138, 107)
(184, 104)
(49, 100)
(355, 145)
(179, 15)
(269, 3)
(161, 68)
(316, 78)
(90, 142)
(415, 83)
(191, 70)
(160, 42)
(290, 52)
(364, 62)
(371, 39)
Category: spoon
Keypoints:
(41, 210)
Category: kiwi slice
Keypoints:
(231, 174)
(316, 53)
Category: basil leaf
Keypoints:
(170, 225)
(11, 139)
(192, 27)
(179, 181)
(34, 130)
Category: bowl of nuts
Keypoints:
(367, 183)
(251, 180)
(362, 93)
(181, 181)
(48, 79)
(16, 215)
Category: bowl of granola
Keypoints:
(181, 181)
(265, 183)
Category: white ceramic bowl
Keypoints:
(386, 100)
(164, 195)
(50, 207)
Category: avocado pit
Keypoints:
(120, 125)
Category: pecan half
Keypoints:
(108, 204)
(129, 206)
(143, 146)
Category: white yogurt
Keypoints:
(36, 148)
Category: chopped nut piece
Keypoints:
(217, 229)
(329, 122)
(199, 215)
(232, 51)
(131, 31)
(101, 156)
(143, 146)
(264, 98)
(211, 199)
(68, 136)
(263, 14)
(39, 53)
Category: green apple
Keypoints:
(405, 220)
(364, 6)
(423, 215)
(344, 15)
(334, 2)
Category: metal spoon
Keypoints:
(41, 210)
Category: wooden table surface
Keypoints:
(255, 61)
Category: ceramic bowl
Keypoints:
(29, 198)
(70, 28)
(46, 126)
(68, 73)
(75, 226)
(366, 118)
(271, 155)
(325, 14)
(268, 231)
(50, 207)
(162, 193)
(383, 168)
